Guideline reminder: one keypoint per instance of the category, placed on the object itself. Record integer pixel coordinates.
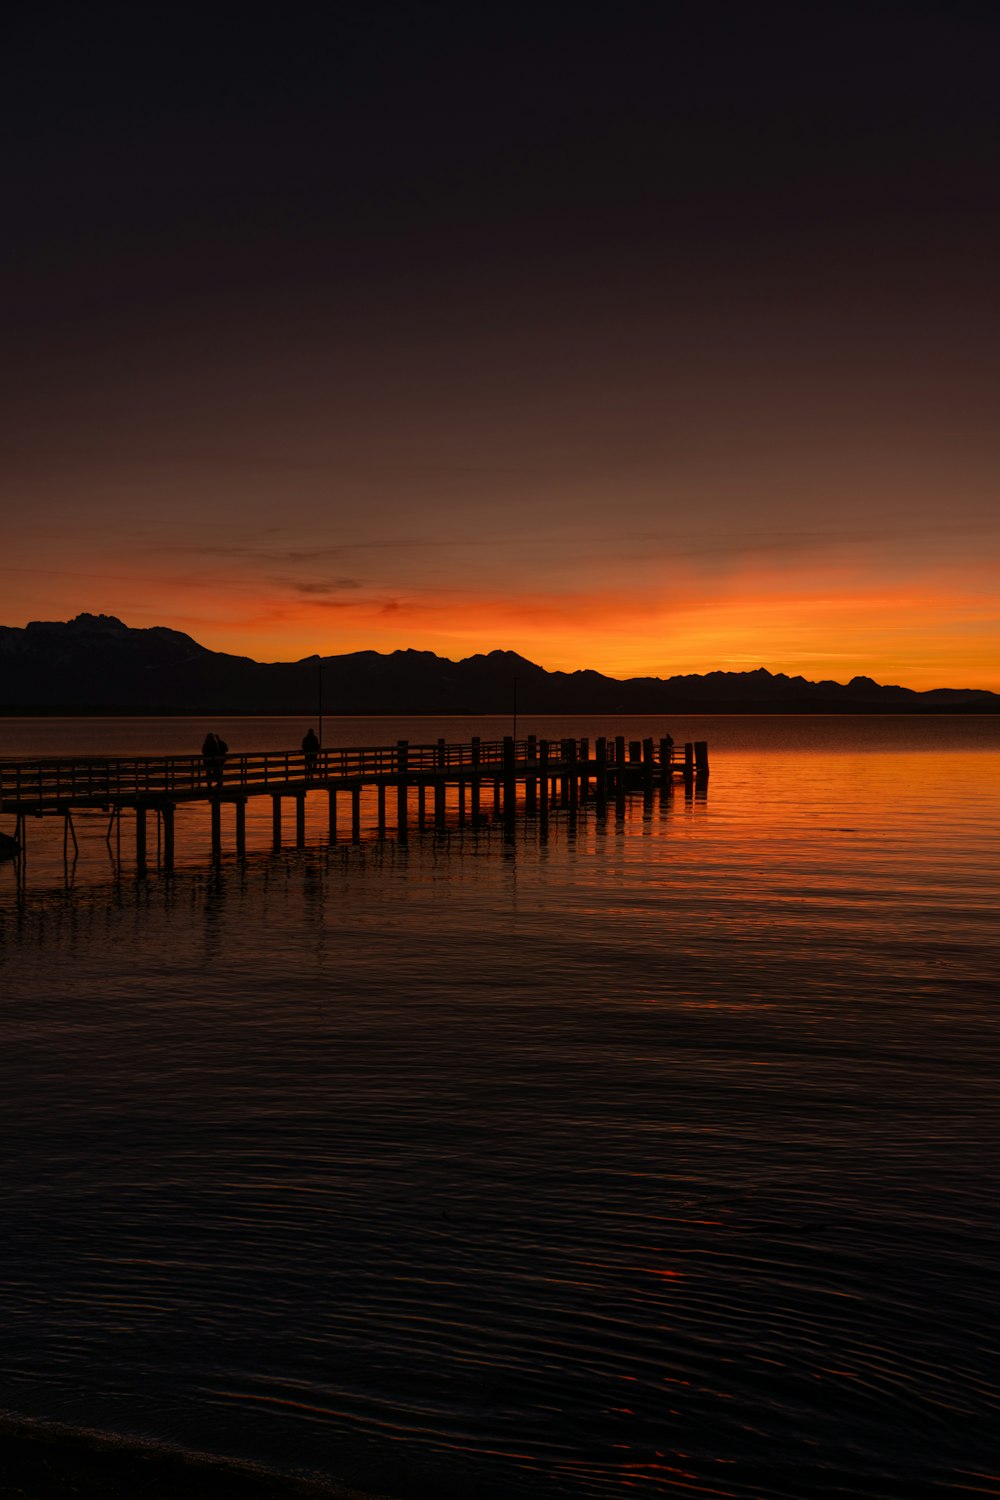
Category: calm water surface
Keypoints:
(657, 1154)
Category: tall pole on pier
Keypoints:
(515, 710)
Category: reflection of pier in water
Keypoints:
(532, 775)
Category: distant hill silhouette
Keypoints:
(96, 663)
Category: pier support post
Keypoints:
(688, 763)
(439, 785)
(509, 777)
(573, 772)
(474, 783)
(168, 836)
(531, 779)
(241, 826)
(275, 822)
(647, 765)
(701, 759)
(69, 832)
(402, 769)
(601, 766)
(140, 840)
(356, 814)
(332, 801)
(461, 802)
(421, 804)
(666, 760)
(584, 770)
(300, 819)
(216, 806)
(381, 809)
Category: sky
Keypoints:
(646, 338)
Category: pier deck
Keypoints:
(533, 769)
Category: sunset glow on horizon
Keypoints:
(656, 373)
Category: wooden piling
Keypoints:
(647, 764)
(275, 822)
(476, 753)
(167, 811)
(140, 838)
(601, 768)
(356, 813)
(241, 826)
(509, 778)
(666, 760)
(402, 785)
(216, 806)
(332, 808)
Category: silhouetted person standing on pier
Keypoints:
(214, 750)
(310, 748)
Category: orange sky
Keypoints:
(480, 341)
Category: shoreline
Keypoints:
(48, 1460)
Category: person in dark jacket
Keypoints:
(310, 749)
(214, 751)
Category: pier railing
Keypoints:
(125, 778)
(50, 784)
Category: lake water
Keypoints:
(656, 1154)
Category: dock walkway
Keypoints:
(535, 771)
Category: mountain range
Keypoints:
(95, 663)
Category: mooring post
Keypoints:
(275, 821)
(688, 762)
(701, 758)
(241, 826)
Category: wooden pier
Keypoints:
(533, 774)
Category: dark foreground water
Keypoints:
(656, 1156)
